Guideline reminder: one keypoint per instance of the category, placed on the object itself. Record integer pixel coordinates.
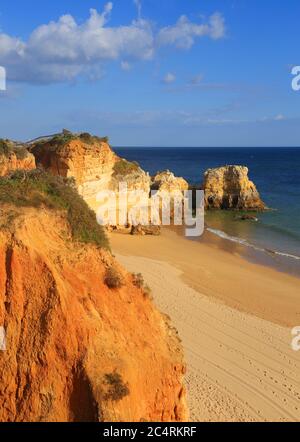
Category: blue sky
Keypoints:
(154, 73)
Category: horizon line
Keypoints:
(202, 147)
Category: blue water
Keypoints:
(276, 172)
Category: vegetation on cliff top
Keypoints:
(61, 140)
(37, 188)
(7, 148)
(124, 167)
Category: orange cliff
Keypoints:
(77, 350)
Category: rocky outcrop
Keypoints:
(166, 181)
(145, 230)
(92, 163)
(230, 188)
(78, 350)
(14, 158)
(131, 174)
(169, 190)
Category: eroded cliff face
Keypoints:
(77, 350)
(229, 187)
(90, 164)
(11, 162)
(93, 165)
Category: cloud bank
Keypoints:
(63, 50)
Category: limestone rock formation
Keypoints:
(132, 174)
(229, 187)
(13, 157)
(168, 182)
(169, 190)
(91, 162)
(76, 349)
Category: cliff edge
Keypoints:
(84, 341)
(91, 162)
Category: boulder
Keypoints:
(145, 230)
(229, 187)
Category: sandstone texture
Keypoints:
(90, 164)
(229, 187)
(131, 174)
(166, 181)
(14, 158)
(77, 350)
(93, 165)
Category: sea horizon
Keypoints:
(277, 232)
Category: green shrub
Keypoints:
(87, 138)
(8, 147)
(37, 188)
(5, 147)
(124, 167)
(55, 143)
(117, 390)
(113, 278)
(61, 140)
(21, 153)
(103, 139)
(92, 139)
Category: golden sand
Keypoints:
(234, 318)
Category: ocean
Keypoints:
(276, 173)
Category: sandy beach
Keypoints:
(234, 318)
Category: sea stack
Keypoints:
(229, 187)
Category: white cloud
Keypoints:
(62, 50)
(169, 78)
(279, 117)
(184, 32)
